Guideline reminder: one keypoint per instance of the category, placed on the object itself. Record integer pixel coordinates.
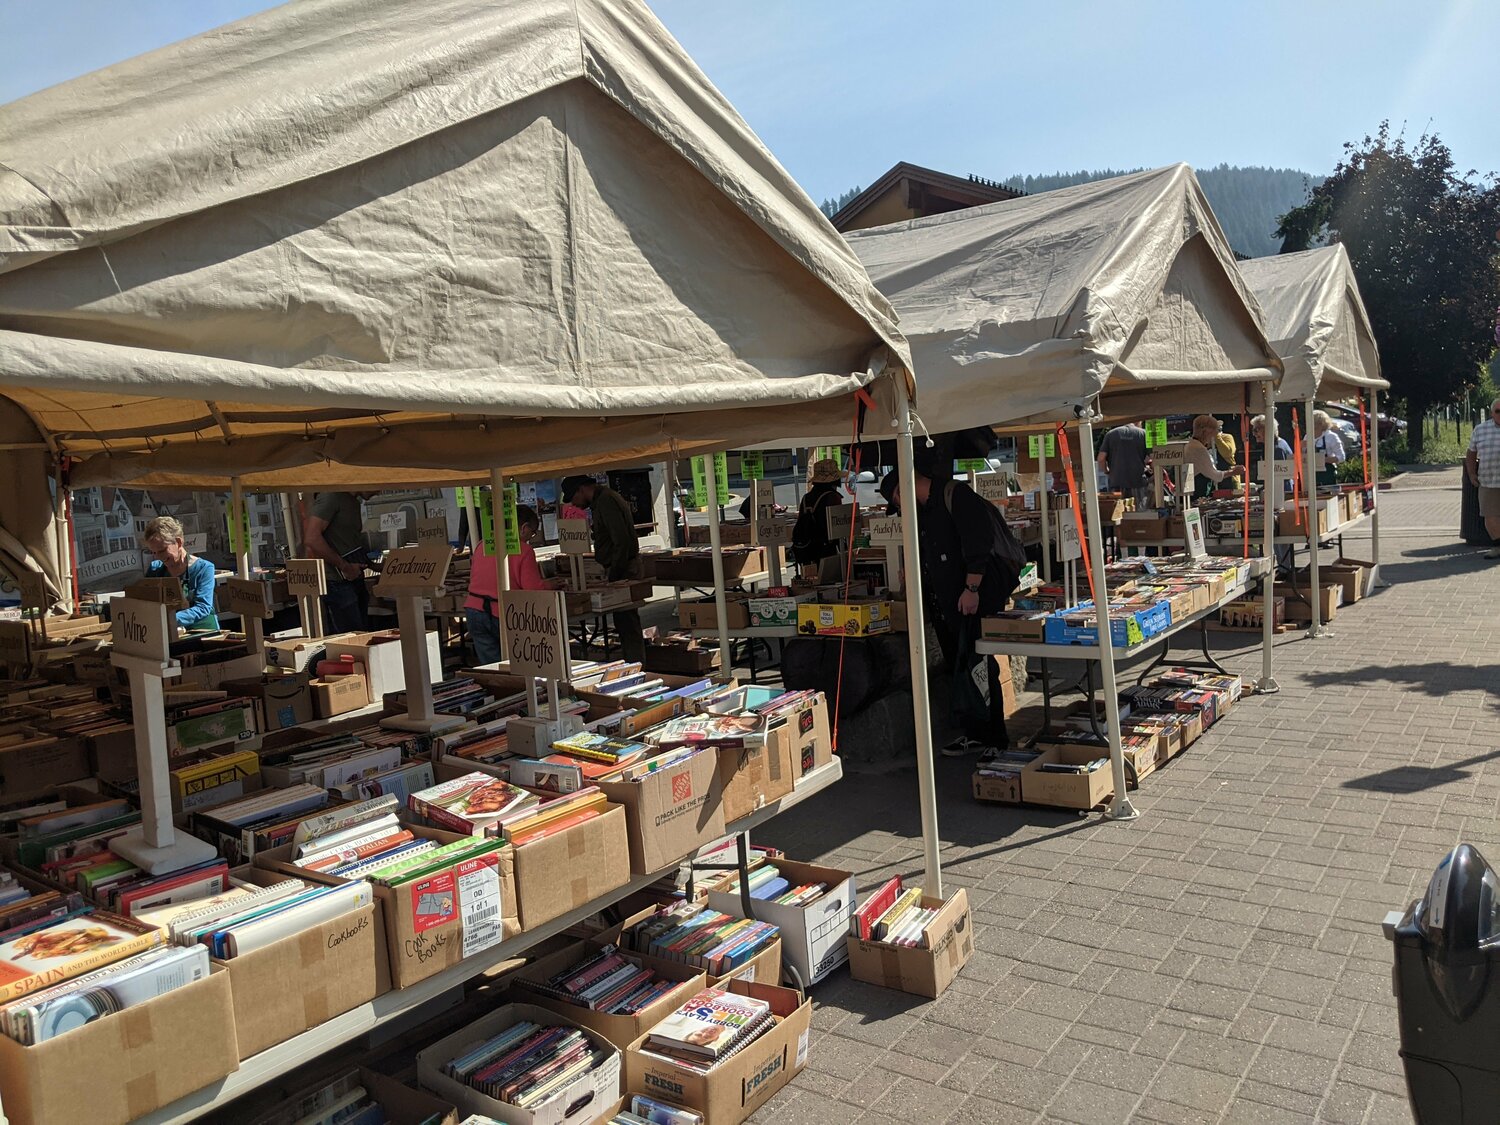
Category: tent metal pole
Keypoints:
(1310, 461)
(916, 638)
(1267, 684)
(1375, 486)
(237, 514)
(501, 560)
(1120, 808)
(64, 538)
(289, 524)
(721, 606)
(1044, 508)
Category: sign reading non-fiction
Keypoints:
(306, 578)
(763, 498)
(573, 537)
(700, 482)
(753, 464)
(536, 630)
(415, 569)
(245, 596)
(1173, 453)
(1042, 445)
(140, 628)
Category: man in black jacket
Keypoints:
(962, 581)
(617, 549)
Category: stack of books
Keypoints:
(78, 830)
(352, 839)
(551, 816)
(705, 939)
(230, 926)
(11, 891)
(648, 1111)
(723, 732)
(268, 819)
(47, 951)
(470, 804)
(610, 752)
(709, 1028)
(341, 1101)
(605, 981)
(768, 885)
(527, 1064)
(894, 915)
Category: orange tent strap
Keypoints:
(1083, 539)
(1297, 471)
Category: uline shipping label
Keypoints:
(479, 901)
(432, 902)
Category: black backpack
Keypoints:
(1007, 556)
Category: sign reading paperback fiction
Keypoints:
(305, 578)
(991, 487)
(536, 628)
(246, 597)
(140, 628)
(412, 570)
(573, 537)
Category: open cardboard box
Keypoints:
(812, 935)
(559, 873)
(742, 1083)
(925, 971)
(764, 967)
(380, 653)
(1065, 790)
(581, 1102)
(753, 777)
(808, 738)
(620, 1030)
(671, 813)
(281, 701)
(285, 988)
(33, 762)
(124, 1065)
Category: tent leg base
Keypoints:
(1267, 685)
(1319, 635)
(1121, 810)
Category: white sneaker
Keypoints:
(962, 747)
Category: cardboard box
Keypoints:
(698, 566)
(338, 695)
(1014, 625)
(195, 734)
(926, 971)
(621, 1031)
(380, 653)
(808, 737)
(705, 614)
(297, 654)
(125, 1065)
(1298, 598)
(570, 1106)
(812, 936)
(764, 967)
(557, 874)
(1141, 527)
(402, 1104)
(681, 659)
(671, 813)
(857, 619)
(1289, 521)
(1004, 790)
(776, 610)
(209, 676)
(739, 1085)
(751, 779)
(1068, 791)
(280, 701)
(33, 762)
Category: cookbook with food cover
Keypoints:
(63, 948)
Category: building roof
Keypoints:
(950, 192)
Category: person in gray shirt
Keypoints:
(1122, 455)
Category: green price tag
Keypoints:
(700, 483)
(721, 478)
(1156, 432)
(461, 497)
(1042, 445)
(832, 453)
(508, 521)
(241, 543)
(753, 465)
(971, 465)
(486, 520)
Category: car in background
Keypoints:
(1389, 426)
(1349, 435)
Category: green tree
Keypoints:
(1422, 240)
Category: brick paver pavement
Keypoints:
(1220, 959)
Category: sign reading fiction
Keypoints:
(536, 631)
(415, 569)
(884, 529)
(246, 597)
(139, 628)
(305, 578)
(573, 537)
(1069, 546)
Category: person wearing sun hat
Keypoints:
(810, 541)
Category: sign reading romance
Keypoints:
(536, 631)
(305, 578)
(573, 537)
(413, 570)
(140, 628)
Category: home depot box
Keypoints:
(752, 778)
(280, 701)
(740, 1084)
(124, 1064)
(571, 1105)
(305, 979)
(559, 873)
(812, 935)
(948, 943)
(1067, 790)
(619, 1030)
(380, 653)
(672, 812)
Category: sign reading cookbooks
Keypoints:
(536, 628)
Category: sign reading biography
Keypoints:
(432, 531)
(536, 631)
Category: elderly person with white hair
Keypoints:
(164, 542)
(1326, 438)
(1199, 456)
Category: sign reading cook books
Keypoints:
(536, 628)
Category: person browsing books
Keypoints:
(1199, 456)
(482, 609)
(810, 541)
(334, 532)
(1122, 455)
(971, 564)
(164, 541)
(616, 548)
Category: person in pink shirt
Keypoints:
(482, 609)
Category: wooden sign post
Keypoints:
(575, 541)
(536, 624)
(141, 647)
(250, 599)
(885, 531)
(772, 534)
(1069, 551)
(307, 581)
(407, 576)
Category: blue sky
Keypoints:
(840, 90)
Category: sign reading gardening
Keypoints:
(415, 570)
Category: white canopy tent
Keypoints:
(1318, 325)
(350, 243)
(1121, 293)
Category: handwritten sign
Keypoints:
(432, 530)
(139, 628)
(536, 628)
(393, 521)
(1041, 445)
(573, 537)
(15, 643)
(164, 591)
(772, 532)
(305, 578)
(1069, 546)
(884, 529)
(721, 478)
(752, 464)
(246, 597)
(763, 498)
(195, 544)
(991, 487)
(33, 589)
(410, 570)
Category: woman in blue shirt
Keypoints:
(164, 541)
